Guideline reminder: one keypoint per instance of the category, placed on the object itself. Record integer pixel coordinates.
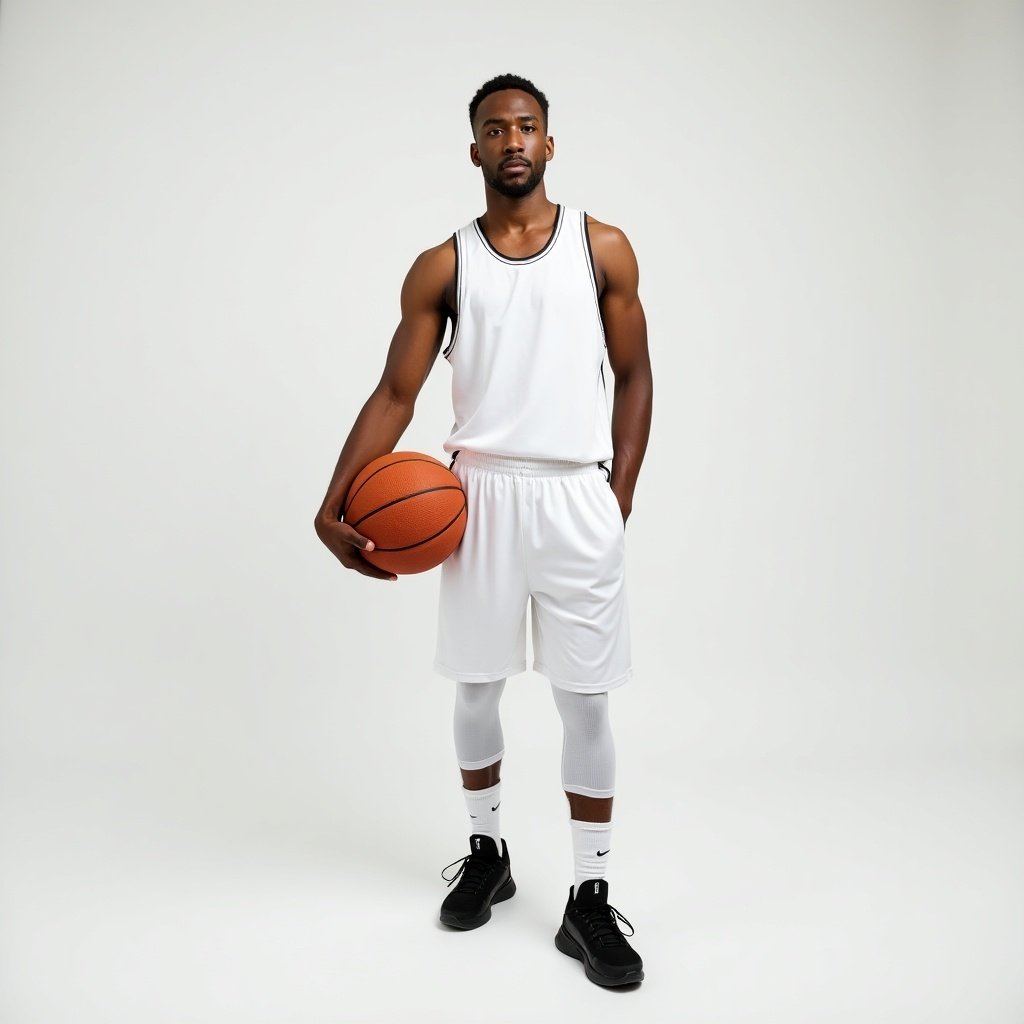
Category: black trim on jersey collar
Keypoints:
(555, 228)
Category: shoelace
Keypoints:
(474, 871)
(600, 920)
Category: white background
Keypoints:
(229, 782)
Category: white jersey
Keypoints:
(527, 350)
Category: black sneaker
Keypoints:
(486, 879)
(590, 933)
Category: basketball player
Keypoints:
(537, 293)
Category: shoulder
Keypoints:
(613, 254)
(438, 259)
(610, 239)
(431, 272)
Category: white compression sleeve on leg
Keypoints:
(478, 738)
(588, 750)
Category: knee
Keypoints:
(478, 700)
(584, 716)
(588, 754)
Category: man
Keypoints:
(536, 294)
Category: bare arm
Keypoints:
(625, 329)
(388, 411)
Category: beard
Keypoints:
(518, 189)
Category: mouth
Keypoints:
(515, 165)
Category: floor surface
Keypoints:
(870, 888)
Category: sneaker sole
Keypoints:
(506, 892)
(568, 945)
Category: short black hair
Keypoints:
(508, 82)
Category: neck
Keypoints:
(507, 214)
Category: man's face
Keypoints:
(511, 147)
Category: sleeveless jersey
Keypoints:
(527, 349)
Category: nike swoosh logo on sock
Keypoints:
(601, 853)
(472, 815)
(496, 806)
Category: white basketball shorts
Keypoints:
(547, 534)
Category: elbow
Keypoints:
(635, 379)
(397, 403)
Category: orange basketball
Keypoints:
(412, 507)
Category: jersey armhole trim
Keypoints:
(458, 295)
(589, 252)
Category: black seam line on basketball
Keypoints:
(406, 497)
(593, 278)
(397, 462)
(458, 297)
(523, 259)
(433, 536)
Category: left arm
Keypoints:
(625, 330)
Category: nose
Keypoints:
(514, 142)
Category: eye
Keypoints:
(493, 131)
(529, 128)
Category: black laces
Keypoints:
(600, 920)
(474, 871)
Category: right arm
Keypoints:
(388, 411)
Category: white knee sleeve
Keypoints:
(588, 751)
(478, 737)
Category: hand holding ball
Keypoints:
(412, 507)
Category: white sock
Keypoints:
(483, 812)
(591, 841)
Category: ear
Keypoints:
(550, 147)
(474, 154)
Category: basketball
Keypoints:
(412, 507)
